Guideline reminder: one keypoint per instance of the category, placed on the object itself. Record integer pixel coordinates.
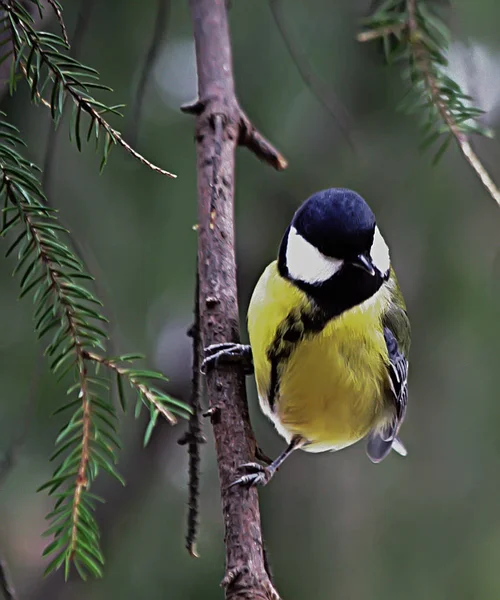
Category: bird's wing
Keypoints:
(397, 338)
(398, 379)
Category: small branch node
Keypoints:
(368, 36)
(193, 552)
(211, 412)
(252, 139)
(211, 301)
(193, 108)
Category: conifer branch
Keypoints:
(56, 7)
(411, 33)
(74, 329)
(423, 62)
(381, 32)
(44, 64)
(64, 308)
(152, 398)
(81, 478)
(51, 272)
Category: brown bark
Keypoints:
(220, 127)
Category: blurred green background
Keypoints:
(336, 526)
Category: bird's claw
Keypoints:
(259, 475)
(251, 466)
(228, 353)
(252, 480)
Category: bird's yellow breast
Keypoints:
(331, 385)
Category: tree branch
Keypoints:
(422, 40)
(193, 437)
(422, 61)
(6, 41)
(220, 127)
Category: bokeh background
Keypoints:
(336, 526)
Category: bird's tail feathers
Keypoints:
(399, 447)
(380, 444)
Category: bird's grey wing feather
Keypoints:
(397, 338)
(398, 378)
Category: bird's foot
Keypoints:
(228, 353)
(256, 475)
(259, 475)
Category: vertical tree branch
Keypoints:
(220, 127)
(193, 437)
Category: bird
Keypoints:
(329, 336)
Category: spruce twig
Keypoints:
(415, 36)
(44, 64)
(65, 309)
(56, 7)
(70, 312)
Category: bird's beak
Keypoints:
(364, 262)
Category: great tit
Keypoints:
(329, 335)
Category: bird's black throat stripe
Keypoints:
(327, 300)
(297, 326)
(346, 289)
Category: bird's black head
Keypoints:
(333, 247)
(338, 222)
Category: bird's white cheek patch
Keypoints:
(380, 253)
(306, 263)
